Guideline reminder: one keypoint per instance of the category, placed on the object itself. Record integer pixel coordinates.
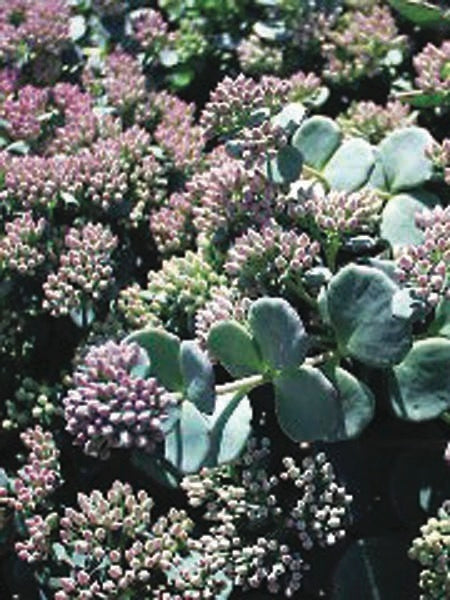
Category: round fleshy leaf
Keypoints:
(163, 349)
(234, 347)
(356, 401)
(359, 301)
(307, 406)
(187, 445)
(317, 139)
(403, 155)
(350, 166)
(278, 332)
(198, 376)
(441, 323)
(230, 427)
(420, 384)
(286, 166)
(420, 12)
(398, 225)
(291, 117)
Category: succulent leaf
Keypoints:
(198, 376)
(420, 384)
(359, 301)
(307, 406)
(278, 332)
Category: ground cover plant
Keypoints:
(224, 299)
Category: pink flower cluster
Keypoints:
(233, 101)
(340, 212)
(40, 475)
(111, 407)
(225, 303)
(230, 198)
(359, 43)
(150, 29)
(140, 564)
(20, 247)
(84, 272)
(373, 121)
(120, 77)
(440, 155)
(81, 126)
(433, 68)
(39, 24)
(253, 515)
(260, 262)
(256, 58)
(177, 134)
(425, 267)
(23, 114)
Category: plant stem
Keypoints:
(317, 175)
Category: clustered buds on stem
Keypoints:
(260, 262)
(359, 44)
(433, 68)
(111, 407)
(424, 267)
(431, 550)
(373, 121)
(246, 505)
(21, 248)
(340, 212)
(173, 294)
(84, 272)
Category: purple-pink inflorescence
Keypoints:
(424, 267)
(20, 248)
(109, 406)
(433, 68)
(262, 261)
(37, 24)
(85, 270)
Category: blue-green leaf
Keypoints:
(420, 384)
(359, 302)
(350, 166)
(163, 349)
(403, 155)
(307, 406)
(317, 139)
(234, 347)
(278, 332)
(198, 376)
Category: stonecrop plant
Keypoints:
(224, 299)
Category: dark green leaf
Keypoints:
(356, 400)
(198, 376)
(286, 166)
(163, 349)
(234, 347)
(420, 384)
(278, 332)
(359, 301)
(307, 406)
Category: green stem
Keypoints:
(246, 384)
(299, 290)
(317, 175)
(331, 250)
